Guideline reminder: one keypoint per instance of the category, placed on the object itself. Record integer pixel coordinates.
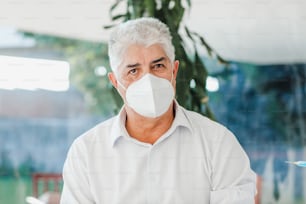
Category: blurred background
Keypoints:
(242, 64)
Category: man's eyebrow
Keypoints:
(132, 65)
(158, 60)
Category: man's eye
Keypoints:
(159, 66)
(133, 71)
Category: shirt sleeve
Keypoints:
(233, 181)
(76, 185)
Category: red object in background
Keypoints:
(51, 182)
(259, 188)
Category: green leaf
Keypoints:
(114, 18)
(221, 60)
(108, 26)
(189, 34)
(150, 7)
(203, 42)
(114, 6)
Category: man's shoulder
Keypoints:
(209, 130)
(197, 119)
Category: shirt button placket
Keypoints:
(153, 178)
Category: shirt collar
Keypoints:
(180, 117)
(118, 129)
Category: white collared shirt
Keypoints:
(197, 161)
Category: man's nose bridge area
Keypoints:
(146, 69)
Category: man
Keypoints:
(154, 151)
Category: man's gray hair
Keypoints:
(144, 31)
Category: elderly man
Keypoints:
(154, 151)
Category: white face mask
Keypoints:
(150, 96)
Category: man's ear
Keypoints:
(175, 68)
(112, 79)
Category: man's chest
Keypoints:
(164, 175)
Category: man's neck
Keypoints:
(148, 130)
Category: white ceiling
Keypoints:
(255, 31)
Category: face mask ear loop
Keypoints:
(121, 85)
